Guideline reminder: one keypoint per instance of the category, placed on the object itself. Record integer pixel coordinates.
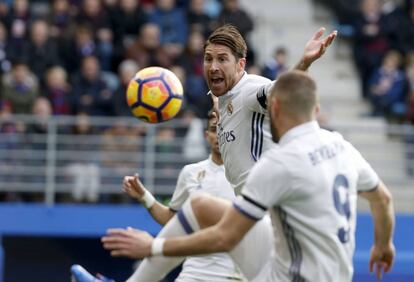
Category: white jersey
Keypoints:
(243, 129)
(309, 184)
(208, 177)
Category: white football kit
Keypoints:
(243, 129)
(309, 183)
(208, 177)
(243, 133)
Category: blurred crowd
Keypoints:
(382, 35)
(76, 57)
(80, 55)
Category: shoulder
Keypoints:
(253, 79)
(194, 167)
(273, 161)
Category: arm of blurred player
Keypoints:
(222, 237)
(133, 186)
(383, 251)
(315, 48)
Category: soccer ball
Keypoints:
(155, 95)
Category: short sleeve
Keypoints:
(266, 186)
(367, 177)
(258, 101)
(181, 192)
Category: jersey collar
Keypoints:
(297, 131)
(213, 165)
(236, 88)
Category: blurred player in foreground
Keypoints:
(205, 176)
(309, 184)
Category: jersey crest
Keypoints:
(230, 108)
(201, 174)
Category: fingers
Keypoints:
(116, 232)
(319, 33)
(387, 267)
(380, 267)
(330, 38)
(371, 265)
(121, 253)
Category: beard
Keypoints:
(274, 131)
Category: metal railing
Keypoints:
(87, 157)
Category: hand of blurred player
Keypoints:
(131, 243)
(316, 47)
(133, 187)
(382, 259)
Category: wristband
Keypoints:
(157, 246)
(148, 199)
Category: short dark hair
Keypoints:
(210, 115)
(229, 36)
(297, 91)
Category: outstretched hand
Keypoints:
(130, 242)
(316, 47)
(133, 186)
(381, 259)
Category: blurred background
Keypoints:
(67, 137)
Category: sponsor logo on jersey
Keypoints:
(225, 136)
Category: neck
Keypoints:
(290, 123)
(216, 158)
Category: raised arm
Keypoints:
(315, 48)
(133, 186)
(383, 251)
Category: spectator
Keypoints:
(36, 141)
(18, 18)
(277, 65)
(195, 85)
(57, 90)
(194, 145)
(84, 174)
(20, 88)
(90, 91)
(345, 10)
(11, 138)
(173, 26)
(60, 19)
(120, 155)
(146, 50)
(166, 143)
(233, 13)
(5, 64)
(198, 19)
(17, 22)
(41, 51)
(126, 71)
(94, 15)
(404, 29)
(4, 9)
(371, 40)
(42, 111)
(386, 86)
(79, 47)
(127, 20)
(409, 72)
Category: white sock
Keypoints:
(155, 268)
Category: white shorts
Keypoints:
(255, 252)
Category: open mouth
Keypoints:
(216, 81)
